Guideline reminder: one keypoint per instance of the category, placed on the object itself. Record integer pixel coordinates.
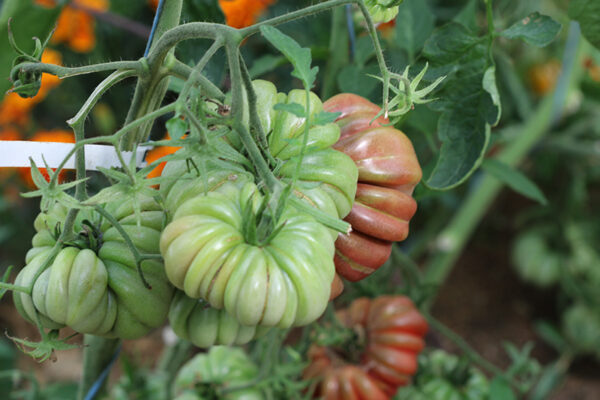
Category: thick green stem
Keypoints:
(184, 71)
(152, 87)
(453, 239)
(67, 72)
(97, 355)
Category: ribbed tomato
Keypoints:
(388, 171)
(389, 332)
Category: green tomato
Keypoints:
(206, 375)
(382, 11)
(98, 291)
(581, 327)
(323, 168)
(196, 321)
(535, 261)
(285, 282)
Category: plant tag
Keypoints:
(16, 153)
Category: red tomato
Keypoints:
(390, 334)
(388, 171)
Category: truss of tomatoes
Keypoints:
(389, 335)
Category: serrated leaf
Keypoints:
(292, 108)
(535, 29)
(298, 56)
(463, 148)
(468, 101)
(587, 13)
(501, 390)
(324, 118)
(414, 24)
(515, 180)
(266, 63)
(177, 127)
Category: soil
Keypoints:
(484, 301)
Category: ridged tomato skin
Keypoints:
(388, 171)
(393, 332)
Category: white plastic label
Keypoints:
(16, 153)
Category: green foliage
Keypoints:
(515, 180)
(535, 29)
(587, 13)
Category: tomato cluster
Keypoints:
(389, 331)
(388, 171)
(237, 267)
(93, 285)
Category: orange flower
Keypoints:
(54, 136)
(543, 77)
(75, 25)
(242, 13)
(15, 109)
(159, 152)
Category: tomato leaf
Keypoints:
(299, 57)
(535, 29)
(264, 64)
(292, 108)
(177, 127)
(587, 13)
(469, 102)
(414, 24)
(324, 117)
(500, 390)
(515, 180)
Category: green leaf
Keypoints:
(324, 118)
(535, 29)
(264, 64)
(551, 335)
(500, 390)
(298, 56)
(44, 350)
(28, 21)
(177, 127)
(414, 25)
(587, 13)
(292, 108)
(469, 102)
(515, 180)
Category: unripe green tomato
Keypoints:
(581, 326)
(382, 11)
(332, 171)
(98, 291)
(205, 375)
(535, 261)
(196, 321)
(285, 282)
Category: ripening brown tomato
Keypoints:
(389, 332)
(388, 171)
